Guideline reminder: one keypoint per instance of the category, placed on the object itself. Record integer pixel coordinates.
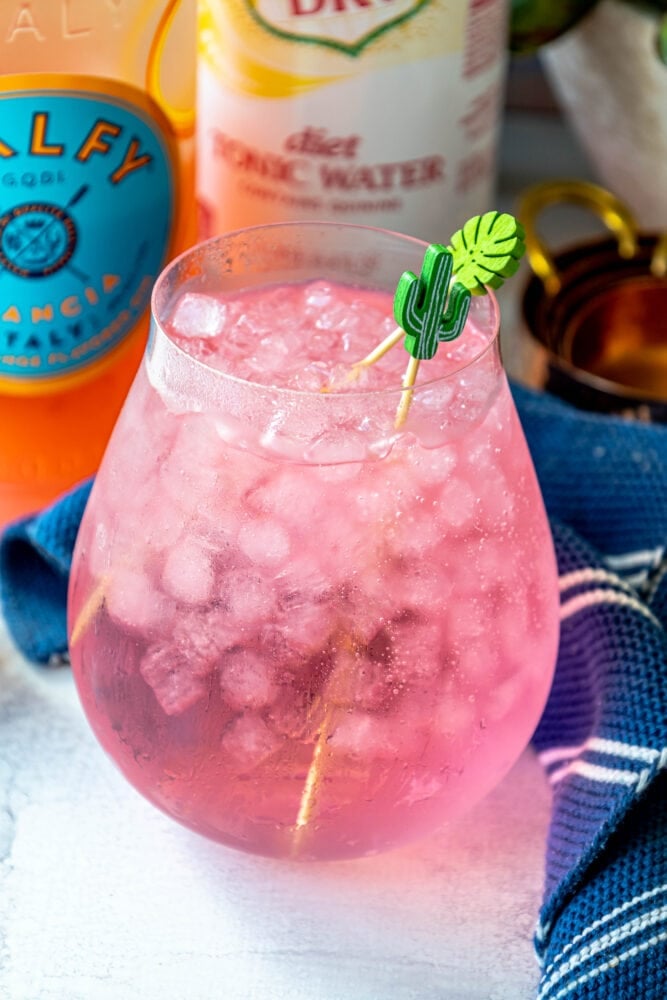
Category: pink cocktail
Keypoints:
(298, 628)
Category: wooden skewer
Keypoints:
(333, 699)
(88, 611)
(377, 352)
(313, 781)
(406, 396)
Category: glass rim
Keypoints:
(204, 246)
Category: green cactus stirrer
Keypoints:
(429, 309)
(433, 308)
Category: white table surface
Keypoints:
(104, 898)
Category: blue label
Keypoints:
(86, 212)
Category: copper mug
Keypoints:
(596, 313)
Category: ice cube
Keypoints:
(503, 698)
(205, 635)
(346, 377)
(367, 600)
(191, 472)
(479, 663)
(341, 473)
(248, 741)
(247, 680)
(456, 505)
(424, 586)
(100, 550)
(497, 501)
(248, 599)
(307, 610)
(133, 602)
(512, 618)
(432, 465)
(341, 443)
(291, 496)
(418, 649)
(457, 717)
(198, 315)
(361, 682)
(163, 526)
(188, 575)
(177, 680)
(318, 296)
(263, 542)
(300, 630)
(377, 493)
(422, 788)
(415, 529)
(468, 619)
(276, 442)
(304, 580)
(137, 539)
(363, 735)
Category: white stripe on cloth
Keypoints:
(589, 575)
(647, 774)
(601, 921)
(600, 596)
(605, 775)
(630, 929)
(612, 748)
(630, 560)
(612, 963)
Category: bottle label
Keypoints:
(87, 190)
(381, 112)
(361, 22)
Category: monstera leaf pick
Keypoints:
(487, 250)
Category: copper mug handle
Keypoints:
(613, 213)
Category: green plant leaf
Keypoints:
(534, 23)
(487, 250)
(662, 39)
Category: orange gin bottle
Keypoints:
(96, 194)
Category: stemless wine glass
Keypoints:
(299, 625)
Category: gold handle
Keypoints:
(613, 213)
(659, 259)
(183, 119)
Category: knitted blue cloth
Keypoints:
(602, 930)
(35, 559)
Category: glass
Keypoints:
(296, 627)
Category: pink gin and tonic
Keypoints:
(299, 626)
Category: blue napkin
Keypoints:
(602, 929)
(35, 559)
